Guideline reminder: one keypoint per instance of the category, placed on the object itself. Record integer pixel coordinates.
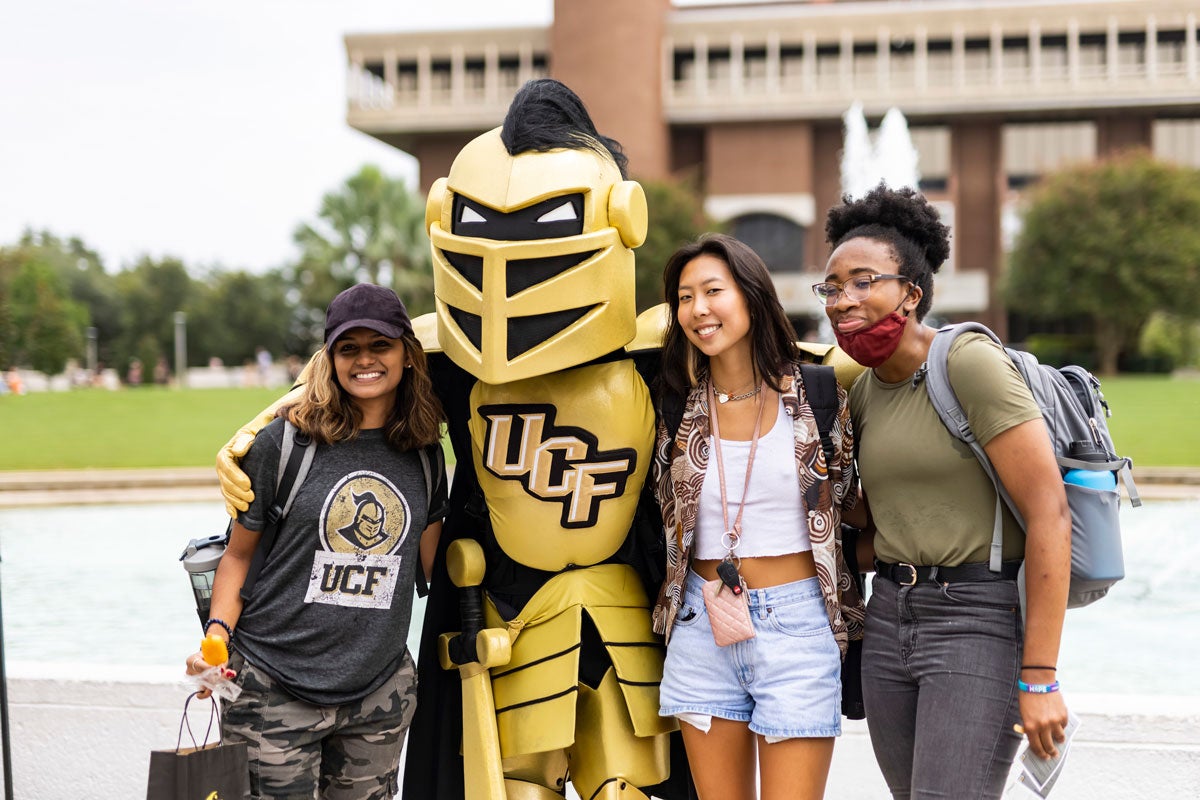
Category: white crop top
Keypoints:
(773, 523)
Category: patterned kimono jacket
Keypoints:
(826, 489)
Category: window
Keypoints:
(777, 240)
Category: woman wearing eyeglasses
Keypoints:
(947, 664)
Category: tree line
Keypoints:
(1113, 247)
(53, 289)
(1109, 252)
(371, 228)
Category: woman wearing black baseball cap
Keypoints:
(328, 687)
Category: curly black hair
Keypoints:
(546, 115)
(905, 221)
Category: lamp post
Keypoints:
(180, 349)
(91, 353)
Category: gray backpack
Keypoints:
(1074, 411)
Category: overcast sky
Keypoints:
(205, 130)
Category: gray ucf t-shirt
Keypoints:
(329, 615)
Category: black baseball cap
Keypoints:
(366, 306)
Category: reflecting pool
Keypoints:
(103, 585)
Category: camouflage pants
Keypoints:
(299, 751)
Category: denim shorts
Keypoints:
(786, 682)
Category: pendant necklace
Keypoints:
(725, 397)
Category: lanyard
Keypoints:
(733, 534)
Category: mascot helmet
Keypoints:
(533, 234)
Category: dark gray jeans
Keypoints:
(939, 671)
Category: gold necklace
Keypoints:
(725, 397)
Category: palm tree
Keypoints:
(371, 229)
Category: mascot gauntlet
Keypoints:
(235, 484)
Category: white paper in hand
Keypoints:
(1037, 776)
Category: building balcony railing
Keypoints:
(802, 61)
(423, 82)
(929, 93)
(376, 106)
(930, 58)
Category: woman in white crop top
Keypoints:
(752, 508)
(774, 495)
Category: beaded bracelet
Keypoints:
(214, 621)
(1037, 688)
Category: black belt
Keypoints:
(908, 574)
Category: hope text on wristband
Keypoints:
(1037, 688)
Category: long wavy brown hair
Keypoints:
(327, 412)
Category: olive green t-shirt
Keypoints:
(932, 503)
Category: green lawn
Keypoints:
(1154, 419)
(146, 427)
(1154, 422)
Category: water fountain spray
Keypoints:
(888, 157)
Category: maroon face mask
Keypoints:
(874, 344)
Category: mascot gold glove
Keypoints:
(235, 484)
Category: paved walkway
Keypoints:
(198, 484)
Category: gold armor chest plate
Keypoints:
(561, 459)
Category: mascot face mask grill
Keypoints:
(533, 259)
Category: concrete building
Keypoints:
(747, 99)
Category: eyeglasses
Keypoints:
(857, 289)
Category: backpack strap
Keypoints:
(433, 465)
(671, 408)
(935, 373)
(291, 472)
(820, 389)
(295, 458)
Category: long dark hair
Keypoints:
(327, 413)
(772, 337)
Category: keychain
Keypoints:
(727, 571)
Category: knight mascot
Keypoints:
(538, 665)
(543, 613)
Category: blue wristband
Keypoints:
(1037, 688)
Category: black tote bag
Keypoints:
(217, 771)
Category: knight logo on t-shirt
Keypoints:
(363, 525)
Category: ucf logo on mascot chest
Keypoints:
(532, 238)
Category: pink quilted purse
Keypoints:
(728, 613)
